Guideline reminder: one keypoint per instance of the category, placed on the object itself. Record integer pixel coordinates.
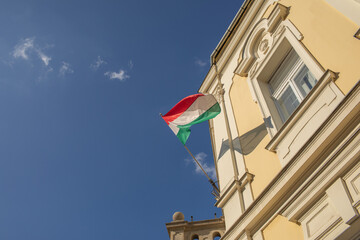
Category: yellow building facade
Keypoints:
(286, 145)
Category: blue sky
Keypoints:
(84, 153)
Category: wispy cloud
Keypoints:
(131, 64)
(201, 157)
(201, 63)
(26, 47)
(44, 58)
(65, 69)
(97, 64)
(21, 50)
(44, 73)
(121, 75)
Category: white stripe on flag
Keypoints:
(174, 128)
(201, 105)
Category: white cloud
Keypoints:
(201, 63)
(121, 75)
(21, 49)
(210, 170)
(65, 69)
(97, 64)
(44, 58)
(27, 46)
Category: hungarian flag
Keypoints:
(191, 110)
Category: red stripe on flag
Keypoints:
(180, 107)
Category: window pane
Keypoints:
(290, 84)
(284, 70)
(287, 103)
(304, 81)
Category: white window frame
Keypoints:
(288, 81)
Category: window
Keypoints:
(216, 236)
(279, 70)
(290, 84)
(195, 237)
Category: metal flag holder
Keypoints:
(215, 191)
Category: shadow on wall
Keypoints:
(247, 142)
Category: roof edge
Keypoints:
(234, 23)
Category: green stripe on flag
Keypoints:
(209, 114)
(184, 130)
(183, 134)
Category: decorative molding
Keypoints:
(260, 41)
(265, 44)
(233, 186)
(331, 215)
(183, 230)
(227, 193)
(340, 198)
(219, 92)
(258, 236)
(320, 219)
(352, 180)
(321, 178)
(242, 236)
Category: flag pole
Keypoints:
(210, 180)
(217, 191)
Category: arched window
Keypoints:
(216, 236)
(195, 237)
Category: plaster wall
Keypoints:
(232, 210)
(334, 46)
(224, 163)
(350, 8)
(263, 164)
(282, 229)
(226, 170)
